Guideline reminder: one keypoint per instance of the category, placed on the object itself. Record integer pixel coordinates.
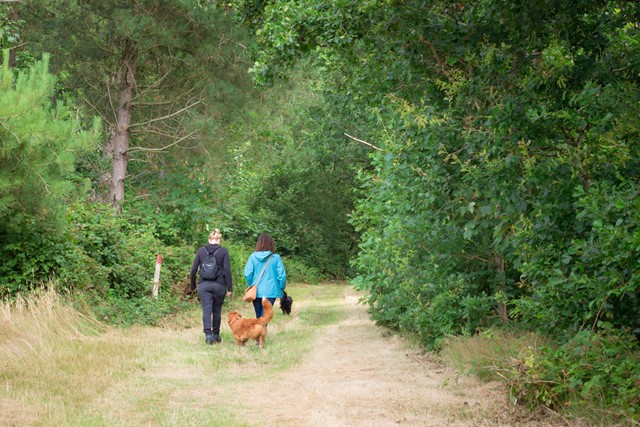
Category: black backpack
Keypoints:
(209, 269)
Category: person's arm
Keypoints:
(194, 270)
(248, 272)
(281, 273)
(226, 267)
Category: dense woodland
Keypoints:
(471, 165)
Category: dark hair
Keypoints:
(265, 243)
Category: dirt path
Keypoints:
(354, 375)
(358, 377)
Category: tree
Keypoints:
(40, 142)
(8, 31)
(295, 175)
(148, 68)
(497, 144)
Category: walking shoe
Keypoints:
(217, 339)
(209, 339)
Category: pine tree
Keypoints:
(39, 142)
(150, 69)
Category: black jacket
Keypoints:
(222, 258)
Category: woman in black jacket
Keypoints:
(213, 262)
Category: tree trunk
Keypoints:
(120, 136)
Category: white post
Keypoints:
(156, 276)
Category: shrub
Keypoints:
(114, 309)
(590, 274)
(597, 372)
(298, 271)
(493, 354)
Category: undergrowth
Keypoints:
(595, 376)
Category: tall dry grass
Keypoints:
(494, 354)
(55, 370)
(31, 326)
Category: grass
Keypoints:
(61, 367)
(30, 327)
(491, 355)
(506, 356)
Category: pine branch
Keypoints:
(168, 116)
(165, 147)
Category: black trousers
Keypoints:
(211, 296)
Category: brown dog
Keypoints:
(243, 329)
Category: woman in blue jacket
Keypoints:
(273, 280)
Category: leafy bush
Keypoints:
(32, 256)
(597, 372)
(125, 252)
(589, 275)
(115, 309)
(105, 257)
(432, 311)
(300, 272)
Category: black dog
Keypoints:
(285, 303)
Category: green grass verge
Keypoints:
(163, 376)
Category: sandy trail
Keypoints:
(355, 376)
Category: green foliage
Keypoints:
(125, 252)
(31, 257)
(40, 141)
(597, 372)
(299, 271)
(8, 29)
(294, 176)
(114, 309)
(105, 258)
(507, 175)
(10, 35)
(590, 277)
(191, 202)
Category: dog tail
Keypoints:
(268, 312)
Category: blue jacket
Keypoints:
(274, 279)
